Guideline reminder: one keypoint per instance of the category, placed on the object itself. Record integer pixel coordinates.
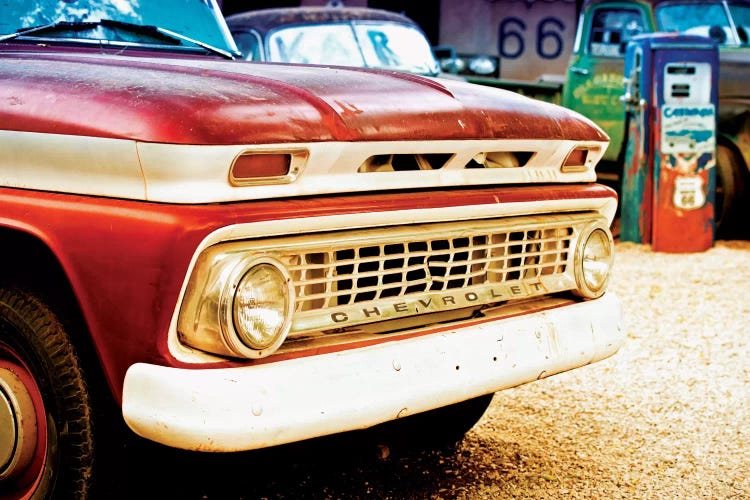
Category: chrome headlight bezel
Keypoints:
(595, 234)
(237, 341)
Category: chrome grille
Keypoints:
(354, 284)
(477, 256)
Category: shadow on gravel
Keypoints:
(350, 465)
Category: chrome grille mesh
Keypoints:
(477, 256)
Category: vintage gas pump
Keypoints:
(669, 179)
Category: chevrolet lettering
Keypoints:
(440, 302)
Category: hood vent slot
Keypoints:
(405, 162)
(501, 159)
(436, 161)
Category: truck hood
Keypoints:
(214, 102)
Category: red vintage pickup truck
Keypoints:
(219, 255)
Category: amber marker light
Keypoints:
(576, 160)
(267, 167)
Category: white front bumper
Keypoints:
(235, 409)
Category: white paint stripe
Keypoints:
(177, 173)
(71, 164)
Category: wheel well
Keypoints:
(735, 185)
(738, 160)
(731, 143)
(29, 264)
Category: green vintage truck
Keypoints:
(593, 84)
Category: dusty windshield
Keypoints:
(709, 19)
(371, 45)
(198, 20)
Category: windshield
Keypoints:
(611, 29)
(370, 45)
(197, 20)
(710, 19)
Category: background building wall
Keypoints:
(531, 37)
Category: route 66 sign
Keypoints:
(688, 193)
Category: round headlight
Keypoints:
(594, 259)
(261, 309)
(482, 65)
(453, 65)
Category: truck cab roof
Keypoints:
(265, 20)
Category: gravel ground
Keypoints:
(665, 417)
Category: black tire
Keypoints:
(44, 402)
(439, 428)
(730, 186)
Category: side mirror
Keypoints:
(717, 34)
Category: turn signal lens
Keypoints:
(253, 166)
(267, 167)
(576, 160)
(594, 258)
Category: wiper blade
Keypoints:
(111, 23)
(165, 33)
(210, 48)
(59, 25)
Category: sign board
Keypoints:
(688, 129)
(533, 38)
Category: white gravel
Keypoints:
(665, 417)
